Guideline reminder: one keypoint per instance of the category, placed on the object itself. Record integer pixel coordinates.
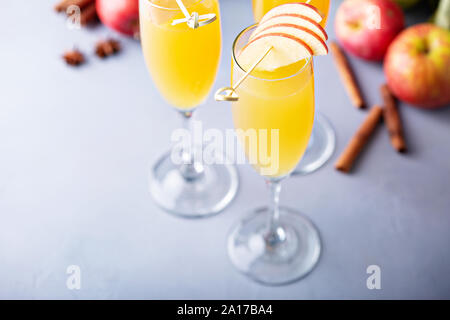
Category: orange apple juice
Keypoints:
(261, 7)
(282, 99)
(182, 61)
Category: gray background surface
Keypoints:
(76, 146)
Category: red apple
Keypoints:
(417, 66)
(120, 15)
(365, 28)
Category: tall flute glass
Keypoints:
(323, 138)
(183, 63)
(274, 245)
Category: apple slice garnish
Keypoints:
(292, 18)
(313, 41)
(286, 49)
(297, 8)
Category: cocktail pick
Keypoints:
(193, 20)
(229, 93)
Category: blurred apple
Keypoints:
(417, 66)
(120, 15)
(406, 4)
(365, 28)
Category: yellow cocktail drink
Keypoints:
(182, 61)
(280, 100)
(272, 95)
(181, 42)
(260, 7)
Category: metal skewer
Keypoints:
(229, 93)
(193, 20)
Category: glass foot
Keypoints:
(320, 148)
(203, 196)
(254, 255)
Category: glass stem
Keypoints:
(275, 232)
(191, 169)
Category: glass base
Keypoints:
(320, 148)
(203, 196)
(287, 261)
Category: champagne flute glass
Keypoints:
(261, 7)
(274, 245)
(182, 56)
(323, 139)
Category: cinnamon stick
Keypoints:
(359, 140)
(64, 4)
(347, 76)
(88, 14)
(392, 119)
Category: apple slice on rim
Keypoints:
(297, 8)
(292, 18)
(313, 41)
(286, 49)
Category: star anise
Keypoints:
(73, 57)
(106, 48)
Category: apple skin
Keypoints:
(357, 24)
(417, 66)
(120, 15)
